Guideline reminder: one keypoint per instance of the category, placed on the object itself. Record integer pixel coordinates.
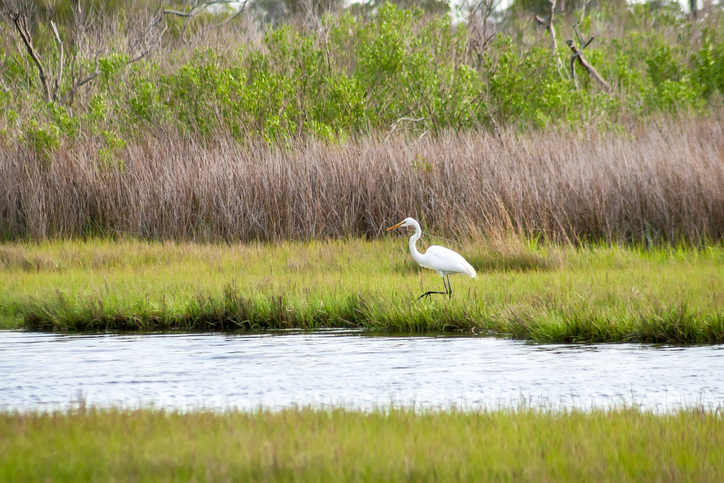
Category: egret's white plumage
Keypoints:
(443, 260)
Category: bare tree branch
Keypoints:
(20, 15)
(186, 22)
(20, 21)
(96, 73)
(195, 10)
(578, 55)
(149, 50)
(548, 23)
(59, 74)
(583, 11)
(480, 13)
(81, 83)
(241, 10)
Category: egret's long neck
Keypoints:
(419, 257)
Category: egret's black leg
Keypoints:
(449, 287)
(430, 292)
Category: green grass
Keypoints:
(523, 289)
(342, 445)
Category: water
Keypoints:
(220, 371)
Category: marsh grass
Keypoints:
(660, 183)
(527, 290)
(625, 444)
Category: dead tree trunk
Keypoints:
(548, 23)
(21, 24)
(578, 55)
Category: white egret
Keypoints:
(443, 260)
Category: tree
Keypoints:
(57, 64)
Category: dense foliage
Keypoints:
(348, 75)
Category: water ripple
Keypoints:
(184, 371)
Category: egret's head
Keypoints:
(405, 222)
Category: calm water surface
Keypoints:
(186, 371)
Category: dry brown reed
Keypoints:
(660, 183)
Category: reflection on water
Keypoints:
(183, 371)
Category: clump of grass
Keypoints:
(594, 294)
(302, 444)
(230, 312)
(672, 325)
(506, 252)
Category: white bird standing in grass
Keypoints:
(443, 260)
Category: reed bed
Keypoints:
(659, 183)
(303, 444)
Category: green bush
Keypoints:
(708, 64)
(394, 70)
(41, 139)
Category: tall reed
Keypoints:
(660, 183)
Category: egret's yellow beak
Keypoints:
(396, 226)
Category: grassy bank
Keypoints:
(525, 290)
(335, 445)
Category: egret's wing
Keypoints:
(447, 261)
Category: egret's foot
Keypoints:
(427, 294)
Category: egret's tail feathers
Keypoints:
(471, 271)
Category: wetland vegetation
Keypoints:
(623, 444)
(336, 74)
(227, 173)
(546, 293)
(235, 170)
(340, 122)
